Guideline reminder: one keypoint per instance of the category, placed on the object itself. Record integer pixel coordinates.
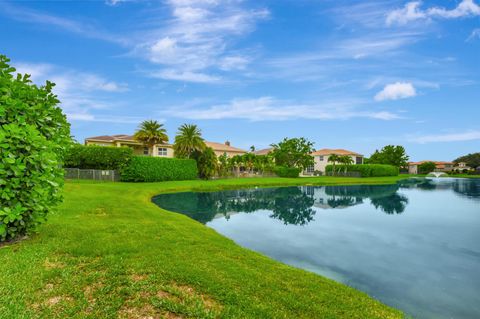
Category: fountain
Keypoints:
(437, 174)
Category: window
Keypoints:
(162, 151)
(310, 169)
(145, 151)
(358, 160)
(320, 158)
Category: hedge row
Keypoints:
(157, 169)
(98, 157)
(366, 170)
(282, 171)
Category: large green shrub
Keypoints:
(282, 171)
(34, 134)
(157, 169)
(98, 157)
(366, 170)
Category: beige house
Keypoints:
(440, 166)
(321, 159)
(159, 150)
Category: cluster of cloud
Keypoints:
(78, 91)
(474, 35)
(451, 137)
(412, 12)
(194, 44)
(395, 91)
(267, 108)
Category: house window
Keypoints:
(162, 151)
(310, 169)
(358, 160)
(320, 158)
(145, 151)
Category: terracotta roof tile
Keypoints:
(224, 147)
(328, 151)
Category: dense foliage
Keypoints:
(188, 140)
(368, 170)
(293, 152)
(390, 155)
(282, 171)
(207, 163)
(33, 136)
(157, 169)
(472, 160)
(98, 157)
(426, 167)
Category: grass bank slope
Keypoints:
(111, 253)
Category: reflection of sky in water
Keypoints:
(425, 261)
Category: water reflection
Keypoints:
(291, 205)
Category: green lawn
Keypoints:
(110, 253)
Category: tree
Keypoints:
(472, 160)
(426, 167)
(345, 160)
(334, 159)
(34, 136)
(293, 152)
(252, 148)
(188, 140)
(207, 162)
(150, 133)
(391, 155)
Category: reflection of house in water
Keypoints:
(325, 197)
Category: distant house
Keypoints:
(264, 151)
(321, 158)
(159, 150)
(461, 167)
(440, 166)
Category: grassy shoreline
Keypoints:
(110, 253)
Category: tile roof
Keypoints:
(264, 151)
(224, 147)
(328, 151)
(436, 163)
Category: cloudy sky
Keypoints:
(345, 74)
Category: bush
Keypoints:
(282, 171)
(33, 136)
(156, 169)
(367, 170)
(98, 157)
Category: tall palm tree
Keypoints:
(334, 159)
(188, 140)
(150, 133)
(346, 160)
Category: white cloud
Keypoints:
(453, 137)
(474, 35)
(196, 41)
(412, 12)
(269, 109)
(395, 91)
(79, 92)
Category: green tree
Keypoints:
(334, 159)
(391, 155)
(151, 133)
(188, 140)
(345, 160)
(293, 152)
(207, 162)
(34, 136)
(472, 160)
(426, 167)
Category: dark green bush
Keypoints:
(98, 157)
(366, 170)
(157, 169)
(34, 134)
(282, 171)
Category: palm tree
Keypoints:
(150, 133)
(333, 158)
(188, 140)
(345, 160)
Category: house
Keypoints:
(264, 151)
(321, 159)
(440, 166)
(159, 150)
(462, 167)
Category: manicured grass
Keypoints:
(110, 253)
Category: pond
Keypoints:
(413, 245)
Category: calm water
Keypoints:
(414, 246)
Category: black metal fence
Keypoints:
(94, 174)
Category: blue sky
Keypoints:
(345, 74)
